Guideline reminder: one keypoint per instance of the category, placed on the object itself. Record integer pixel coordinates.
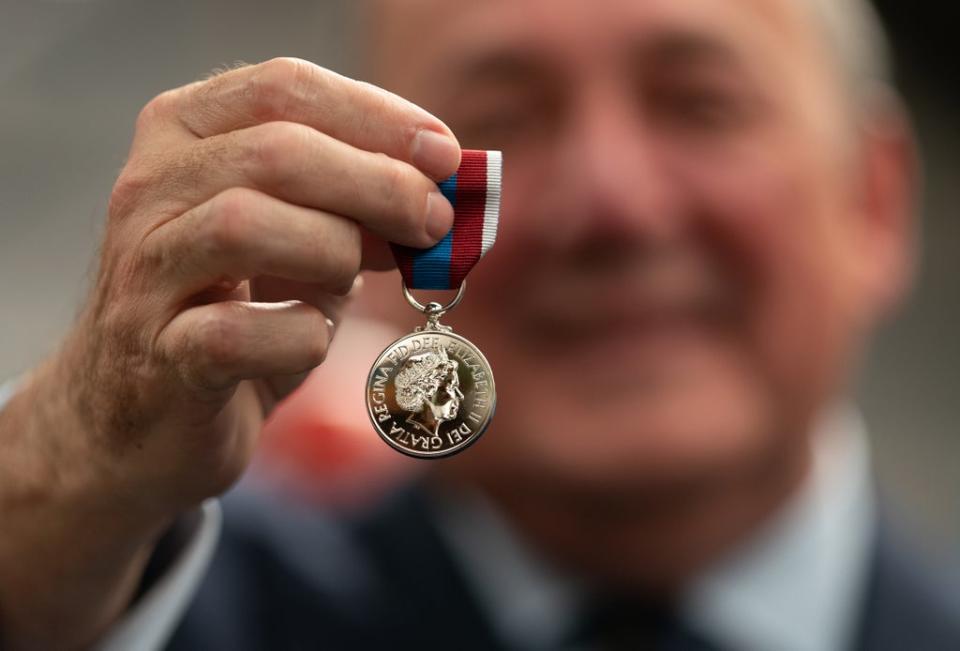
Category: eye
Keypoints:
(702, 107)
(508, 119)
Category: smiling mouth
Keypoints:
(653, 296)
(574, 324)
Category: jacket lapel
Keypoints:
(423, 596)
(906, 605)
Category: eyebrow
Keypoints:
(504, 65)
(679, 48)
(673, 48)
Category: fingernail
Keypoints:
(439, 216)
(331, 329)
(435, 154)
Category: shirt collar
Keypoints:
(797, 584)
(530, 603)
(794, 586)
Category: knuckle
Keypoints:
(279, 145)
(134, 181)
(274, 85)
(287, 70)
(402, 193)
(230, 221)
(118, 325)
(158, 256)
(219, 341)
(156, 108)
(394, 180)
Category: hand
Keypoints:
(234, 232)
(249, 204)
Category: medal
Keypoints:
(431, 394)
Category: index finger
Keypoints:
(294, 90)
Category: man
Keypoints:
(707, 209)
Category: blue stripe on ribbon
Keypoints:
(431, 268)
(449, 189)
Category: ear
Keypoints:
(889, 203)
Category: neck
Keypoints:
(653, 539)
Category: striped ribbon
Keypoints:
(474, 192)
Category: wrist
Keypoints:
(66, 466)
(73, 549)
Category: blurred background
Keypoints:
(74, 74)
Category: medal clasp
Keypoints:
(434, 311)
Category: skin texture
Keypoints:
(697, 238)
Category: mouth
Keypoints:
(658, 305)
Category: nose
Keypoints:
(613, 169)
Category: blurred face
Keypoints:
(684, 268)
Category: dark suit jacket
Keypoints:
(287, 578)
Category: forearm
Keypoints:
(71, 553)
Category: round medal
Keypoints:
(431, 394)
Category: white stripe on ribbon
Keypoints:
(491, 210)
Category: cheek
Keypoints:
(779, 222)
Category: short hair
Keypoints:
(853, 31)
(420, 377)
(856, 35)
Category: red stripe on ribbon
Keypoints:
(468, 227)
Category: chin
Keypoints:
(661, 430)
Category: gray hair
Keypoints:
(855, 33)
(853, 30)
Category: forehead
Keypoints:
(415, 36)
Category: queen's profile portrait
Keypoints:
(428, 387)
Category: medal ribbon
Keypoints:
(474, 192)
